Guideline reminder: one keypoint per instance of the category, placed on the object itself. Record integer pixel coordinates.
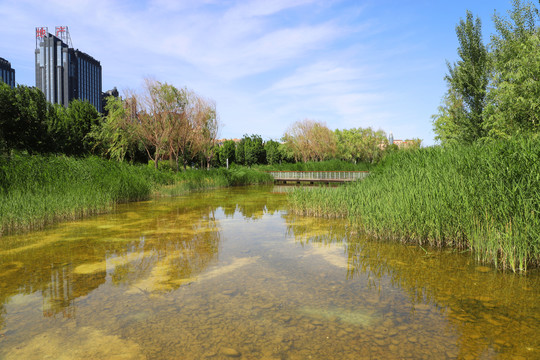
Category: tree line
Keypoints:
(162, 122)
(159, 122)
(493, 89)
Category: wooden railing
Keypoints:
(319, 176)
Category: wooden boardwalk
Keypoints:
(313, 177)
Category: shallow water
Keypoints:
(229, 273)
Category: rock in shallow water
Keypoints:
(230, 352)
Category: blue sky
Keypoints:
(267, 64)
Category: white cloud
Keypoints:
(266, 63)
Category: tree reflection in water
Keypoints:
(489, 309)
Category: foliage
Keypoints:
(514, 100)
(361, 145)
(227, 151)
(484, 197)
(493, 94)
(36, 190)
(168, 122)
(24, 113)
(71, 127)
(204, 179)
(29, 123)
(273, 152)
(309, 140)
(115, 137)
(460, 117)
(250, 151)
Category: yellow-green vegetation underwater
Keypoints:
(36, 190)
(230, 273)
(483, 197)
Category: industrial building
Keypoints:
(63, 73)
(7, 74)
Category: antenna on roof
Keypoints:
(62, 32)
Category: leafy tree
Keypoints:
(152, 112)
(115, 137)
(460, 116)
(273, 152)
(206, 129)
(254, 150)
(250, 151)
(240, 154)
(449, 124)
(514, 100)
(359, 144)
(79, 118)
(24, 113)
(227, 151)
(310, 140)
(8, 114)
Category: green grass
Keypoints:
(37, 190)
(214, 178)
(483, 197)
(328, 165)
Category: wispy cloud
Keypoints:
(266, 63)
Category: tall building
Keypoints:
(63, 73)
(7, 74)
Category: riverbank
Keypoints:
(38, 190)
(484, 198)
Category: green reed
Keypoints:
(214, 178)
(484, 197)
(36, 190)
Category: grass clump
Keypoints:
(36, 190)
(214, 178)
(483, 197)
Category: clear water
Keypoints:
(229, 273)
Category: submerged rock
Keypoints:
(230, 352)
(360, 317)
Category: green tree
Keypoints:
(467, 86)
(24, 114)
(252, 150)
(115, 137)
(514, 100)
(8, 114)
(273, 152)
(81, 117)
(360, 144)
(240, 154)
(227, 151)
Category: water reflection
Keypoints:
(493, 312)
(149, 246)
(230, 272)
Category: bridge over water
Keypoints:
(313, 177)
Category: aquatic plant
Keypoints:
(36, 190)
(483, 197)
(214, 178)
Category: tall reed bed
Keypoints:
(328, 165)
(36, 190)
(214, 178)
(484, 197)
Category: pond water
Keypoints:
(229, 273)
